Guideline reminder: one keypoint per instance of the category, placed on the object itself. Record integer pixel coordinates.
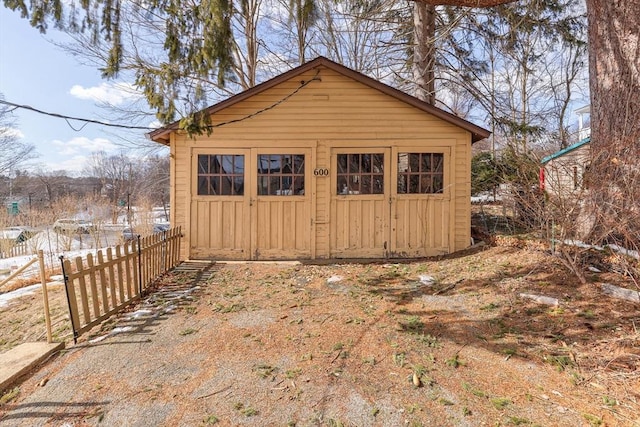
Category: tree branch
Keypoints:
(465, 3)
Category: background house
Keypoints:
(322, 162)
(563, 171)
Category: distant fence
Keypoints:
(102, 286)
(10, 250)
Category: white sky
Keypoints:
(34, 72)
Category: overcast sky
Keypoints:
(35, 72)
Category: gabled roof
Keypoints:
(161, 135)
(566, 150)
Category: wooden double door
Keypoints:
(390, 202)
(250, 204)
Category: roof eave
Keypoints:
(566, 150)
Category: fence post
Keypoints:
(66, 289)
(45, 295)
(139, 267)
(163, 267)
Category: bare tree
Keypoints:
(13, 151)
(119, 179)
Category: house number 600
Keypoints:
(321, 172)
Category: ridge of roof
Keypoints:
(566, 150)
(160, 135)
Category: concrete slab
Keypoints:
(21, 359)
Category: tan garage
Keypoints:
(322, 162)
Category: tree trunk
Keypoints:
(614, 67)
(424, 54)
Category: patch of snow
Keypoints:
(140, 313)
(7, 297)
(121, 330)
(486, 197)
(541, 299)
(169, 309)
(427, 280)
(581, 244)
(616, 248)
(625, 251)
(118, 330)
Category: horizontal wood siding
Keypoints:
(180, 176)
(461, 200)
(334, 108)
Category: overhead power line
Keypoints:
(67, 118)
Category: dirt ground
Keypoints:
(447, 342)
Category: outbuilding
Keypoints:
(322, 162)
(562, 173)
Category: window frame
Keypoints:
(360, 175)
(295, 175)
(420, 174)
(233, 177)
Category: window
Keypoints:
(280, 174)
(360, 174)
(420, 173)
(220, 175)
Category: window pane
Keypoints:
(366, 163)
(342, 185)
(366, 188)
(425, 184)
(438, 184)
(414, 162)
(354, 163)
(203, 185)
(378, 163)
(402, 184)
(378, 184)
(263, 185)
(298, 185)
(298, 162)
(203, 164)
(342, 163)
(414, 184)
(438, 161)
(274, 185)
(403, 162)
(426, 163)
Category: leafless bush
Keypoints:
(586, 205)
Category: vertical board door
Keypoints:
(421, 199)
(360, 208)
(220, 216)
(280, 203)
